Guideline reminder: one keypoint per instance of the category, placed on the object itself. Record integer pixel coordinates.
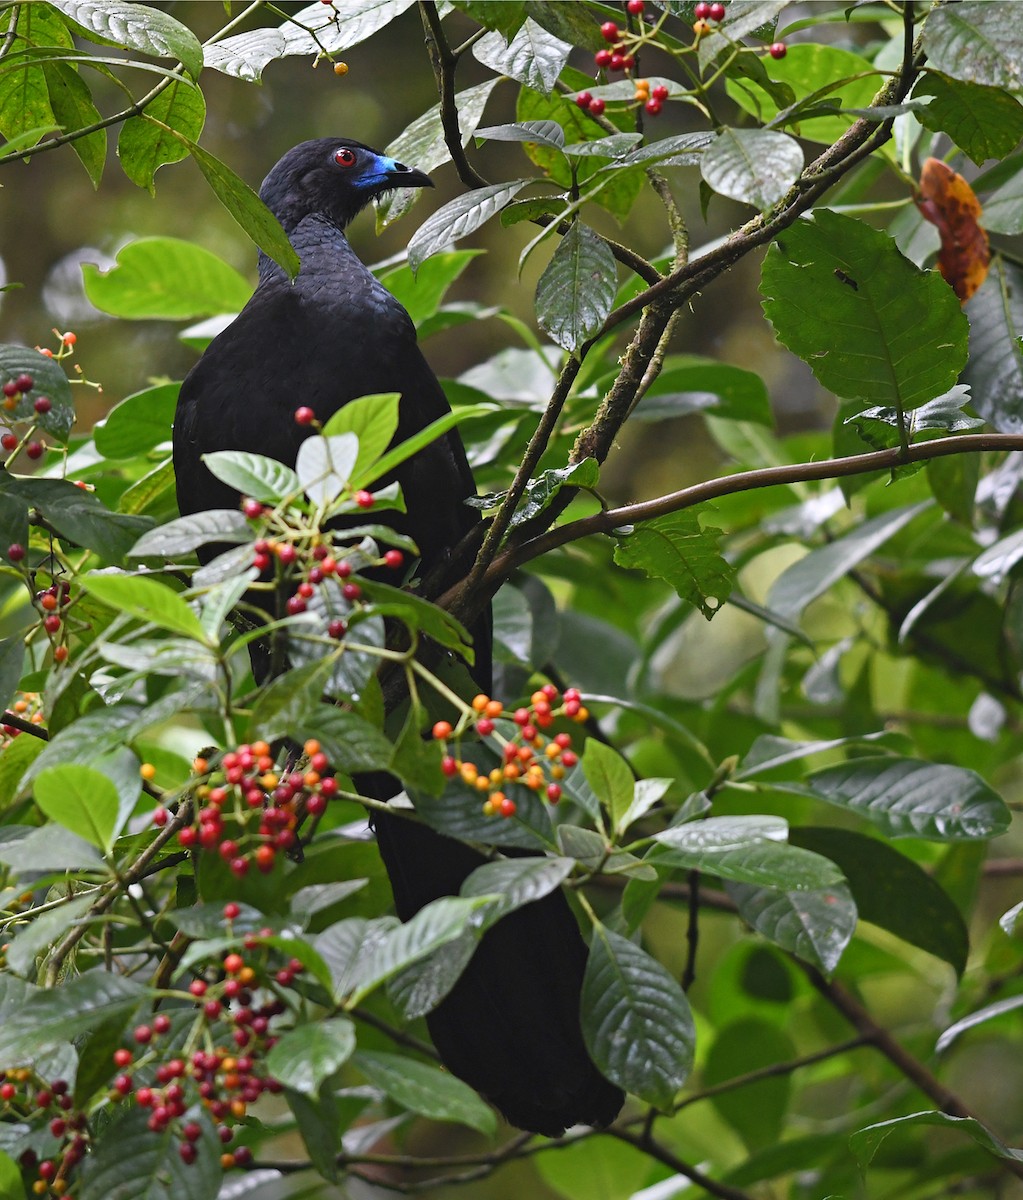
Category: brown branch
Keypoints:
(647, 1144)
(841, 999)
(745, 481)
(444, 62)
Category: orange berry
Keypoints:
(261, 748)
(69, 339)
(340, 68)
(226, 1162)
(147, 771)
(493, 708)
(311, 778)
(442, 730)
(246, 975)
(482, 783)
(582, 715)
(60, 654)
(469, 772)
(480, 702)
(512, 771)
(311, 747)
(21, 706)
(200, 766)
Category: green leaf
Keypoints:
(47, 848)
(404, 450)
(678, 549)
(690, 384)
(548, 133)
(373, 420)
(48, 380)
(280, 706)
(909, 798)
(893, 892)
(995, 370)
(985, 122)
(145, 598)
(80, 799)
(256, 220)
(143, 146)
(52, 1016)
(532, 56)
(744, 849)
(12, 661)
(421, 294)
(135, 27)
(610, 777)
(517, 881)
(979, 1017)
(25, 101)
(813, 575)
(975, 43)
(74, 109)
(636, 1020)
(578, 287)
(810, 69)
(11, 1185)
(324, 466)
(869, 323)
(460, 217)
(130, 1162)
(78, 515)
(254, 475)
(757, 1112)
(140, 423)
(165, 279)
(23, 950)
(424, 144)
(944, 413)
(185, 534)
(646, 793)
(426, 1090)
(864, 1143)
(350, 741)
(457, 812)
(306, 1056)
(815, 924)
(421, 614)
(769, 752)
(754, 166)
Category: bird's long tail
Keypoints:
(510, 1027)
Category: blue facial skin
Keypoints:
(382, 171)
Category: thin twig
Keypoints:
(661, 1153)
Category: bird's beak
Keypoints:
(398, 175)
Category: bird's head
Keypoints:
(335, 177)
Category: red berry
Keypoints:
(583, 99)
(660, 92)
(778, 50)
(231, 911)
(252, 508)
(160, 816)
(15, 552)
(143, 1034)
(304, 415)
(10, 389)
(597, 107)
(484, 726)
(394, 559)
(9, 441)
(48, 601)
(161, 1023)
(336, 628)
(34, 449)
(653, 107)
(43, 404)
(239, 866)
(187, 836)
(265, 857)
(58, 1127)
(449, 766)
(51, 623)
(717, 12)
(617, 62)
(198, 986)
(635, 7)
(122, 1084)
(351, 591)
(602, 58)
(305, 590)
(316, 804)
(24, 383)
(553, 793)
(442, 730)
(122, 1057)
(364, 499)
(188, 1153)
(508, 807)
(242, 1156)
(192, 1131)
(286, 553)
(609, 31)
(47, 1170)
(702, 11)
(295, 605)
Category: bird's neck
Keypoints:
(321, 245)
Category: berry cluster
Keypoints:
(250, 810)
(25, 1096)
(709, 12)
(14, 392)
(233, 1017)
(52, 603)
(529, 758)
(29, 706)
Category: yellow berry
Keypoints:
(147, 771)
(269, 780)
(496, 775)
(480, 702)
(582, 715)
(469, 772)
(482, 783)
(340, 68)
(557, 771)
(488, 809)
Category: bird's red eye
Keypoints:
(344, 157)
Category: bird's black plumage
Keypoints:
(510, 1027)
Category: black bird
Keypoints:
(510, 1027)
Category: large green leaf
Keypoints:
(610, 777)
(131, 1162)
(138, 424)
(976, 43)
(985, 122)
(870, 324)
(995, 369)
(145, 598)
(517, 881)
(757, 1112)
(135, 27)
(426, 1090)
(892, 891)
(373, 421)
(533, 56)
(79, 515)
(185, 534)
(144, 145)
(755, 166)
(689, 384)
(80, 799)
(678, 549)
(636, 1020)
(906, 797)
(254, 475)
(577, 289)
(166, 279)
(815, 924)
(460, 217)
(74, 109)
(309, 1054)
(864, 1143)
